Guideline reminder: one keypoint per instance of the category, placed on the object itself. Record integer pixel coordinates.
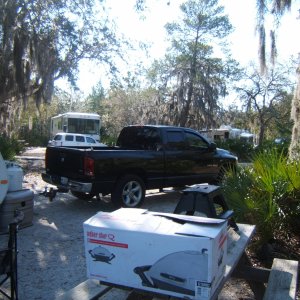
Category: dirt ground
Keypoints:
(51, 252)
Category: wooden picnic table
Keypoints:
(279, 282)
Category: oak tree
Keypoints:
(44, 40)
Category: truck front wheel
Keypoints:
(129, 192)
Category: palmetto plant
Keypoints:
(266, 193)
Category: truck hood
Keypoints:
(225, 153)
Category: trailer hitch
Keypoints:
(51, 192)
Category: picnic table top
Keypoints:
(282, 279)
(236, 246)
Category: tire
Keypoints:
(129, 192)
(82, 196)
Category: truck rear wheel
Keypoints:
(82, 196)
(129, 192)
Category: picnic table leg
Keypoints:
(138, 295)
(255, 277)
(134, 295)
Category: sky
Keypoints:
(244, 42)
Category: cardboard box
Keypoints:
(176, 255)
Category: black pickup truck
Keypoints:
(145, 157)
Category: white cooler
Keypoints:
(15, 176)
(3, 179)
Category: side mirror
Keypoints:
(212, 146)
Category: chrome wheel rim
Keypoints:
(132, 193)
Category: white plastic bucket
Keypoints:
(3, 179)
(15, 176)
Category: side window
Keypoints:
(128, 138)
(195, 142)
(151, 139)
(69, 138)
(140, 138)
(58, 137)
(175, 140)
(90, 140)
(80, 139)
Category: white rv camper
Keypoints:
(76, 122)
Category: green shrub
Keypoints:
(9, 148)
(266, 193)
(35, 137)
(244, 151)
(37, 140)
(281, 148)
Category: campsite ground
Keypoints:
(51, 252)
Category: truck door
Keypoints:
(189, 159)
(202, 161)
(177, 164)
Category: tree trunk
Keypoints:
(261, 134)
(294, 150)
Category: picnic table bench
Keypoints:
(279, 282)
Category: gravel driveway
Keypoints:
(51, 252)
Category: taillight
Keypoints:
(89, 166)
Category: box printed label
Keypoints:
(202, 290)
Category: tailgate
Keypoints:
(65, 162)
